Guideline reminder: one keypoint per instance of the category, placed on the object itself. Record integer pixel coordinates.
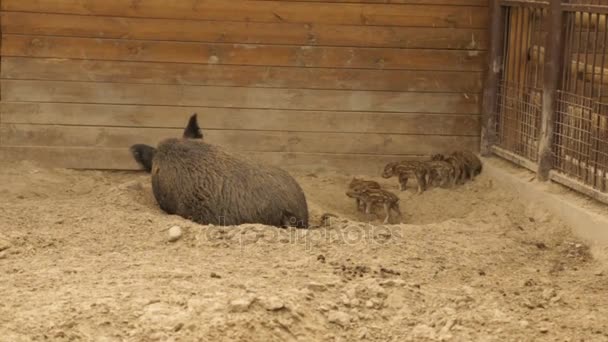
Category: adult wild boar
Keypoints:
(202, 182)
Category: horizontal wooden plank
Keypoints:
(239, 119)
(241, 140)
(267, 11)
(242, 76)
(235, 97)
(411, 2)
(120, 159)
(240, 54)
(242, 32)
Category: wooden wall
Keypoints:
(341, 83)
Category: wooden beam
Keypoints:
(488, 134)
(589, 71)
(578, 186)
(514, 158)
(551, 79)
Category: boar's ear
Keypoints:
(193, 131)
(143, 155)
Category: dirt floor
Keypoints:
(86, 256)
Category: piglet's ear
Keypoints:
(192, 130)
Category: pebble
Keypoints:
(544, 330)
(393, 283)
(316, 286)
(363, 333)
(599, 273)
(240, 305)
(175, 233)
(338, 317)
(524, 324)
(548, 294)
(273, 304)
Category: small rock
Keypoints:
(316, 286)
(363, 333)
(448, 326)
(544, 330)
(338, 317)
(273, 304)
(556, 299)
(468, 290)
(369, 304)
(351, 293)
(392, 283)
(548, 294)
(175, 233)
(3, 255)
(240, 305)
(524, 324)
(215, 275)
(599, 273)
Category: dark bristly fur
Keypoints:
(201, 182)
(192, 130)
(143, 154)
(406, 169)
(357, 182)
(370, 197)
(470, 165)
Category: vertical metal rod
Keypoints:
(550, 86)
(600, 168)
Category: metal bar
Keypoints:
(578, 186)
(551, 78)
(598, 181)
(514, 158)
(526, 3)
(494, 66)
(597, 9)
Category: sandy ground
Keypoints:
(86, 256)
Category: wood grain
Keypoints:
(411, 2)
(242, 32)
(267, 11)
(241, 76)
(120, 159)
(235, 97)
(236, 140)
(239, 119)
(240, 54)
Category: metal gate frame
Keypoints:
(545, 157)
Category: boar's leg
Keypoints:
(387, 210)
(395, 207)
(403, 182)
(368, 207)
(421, 178)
